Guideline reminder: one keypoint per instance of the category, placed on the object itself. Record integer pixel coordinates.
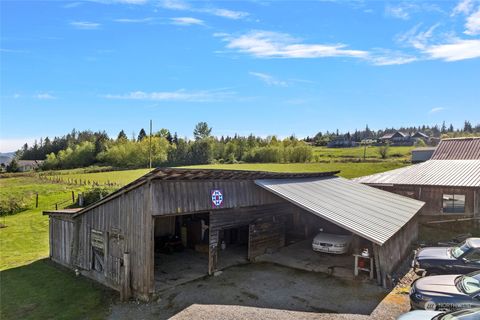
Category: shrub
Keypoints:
(383, 151)
(94, 194)
(11, 206)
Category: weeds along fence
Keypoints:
(79, 181)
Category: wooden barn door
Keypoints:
(265, 234)
(115, 258)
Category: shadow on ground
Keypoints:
(262, 285)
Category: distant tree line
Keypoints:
(443, 131)
(85, 148)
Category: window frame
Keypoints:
(453, 209)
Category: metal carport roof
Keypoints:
(446, 173)
(371, 213)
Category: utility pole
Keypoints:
(150, 147)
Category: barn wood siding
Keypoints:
(177, 197)
(432, 196)
(126, 217)
(61, 236)
(397, 248)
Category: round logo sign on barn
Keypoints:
(217, 198)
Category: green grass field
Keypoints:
(43, 290)
(347, 169)
(33, 288)
(119, 178)
(371, 152)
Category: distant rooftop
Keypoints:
(458, 149)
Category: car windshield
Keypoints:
(460, 249)
(470, 285)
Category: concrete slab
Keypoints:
(180, 267)
(232, 256)
(261, 285)
(301, 256)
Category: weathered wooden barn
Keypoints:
(214, 214)
(449, 183)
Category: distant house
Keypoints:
(422, 154)
(397, 138)
(421, 135)
(342, 143)
(28, 165)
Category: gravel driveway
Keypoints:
(262, 285)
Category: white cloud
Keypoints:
(388, 58)
(458, 49)
(415, 38)
(128, 20)
(436, 110)
(72, 5)
(472, 25)
(179, 95)
(225, 13)
(404, 10)
(269, 79)
(400, 12)
(45, 96)
(175, 5)
(219, 12)
(132, 1)
(463, 6)
(187, 21)
(85, 25)
(443, 47)
(267, 44)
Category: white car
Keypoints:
(331, 243)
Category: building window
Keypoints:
(453, 203)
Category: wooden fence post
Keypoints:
(73, 197)
(36, 200)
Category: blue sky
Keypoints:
(266, 67)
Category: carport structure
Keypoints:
(220, 218)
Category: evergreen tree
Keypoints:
(141, 135)
(444, 128)
(122, 136)
(202, 131)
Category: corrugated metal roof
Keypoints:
(371, 213)
(458, 149)
(451, 173)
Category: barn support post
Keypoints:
(125, 291)
(212, 252)
(377, 263)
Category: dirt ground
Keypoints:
(262, 285)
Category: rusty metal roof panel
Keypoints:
(458, 149)
(371, 213)
(448, 173)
